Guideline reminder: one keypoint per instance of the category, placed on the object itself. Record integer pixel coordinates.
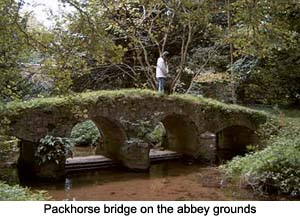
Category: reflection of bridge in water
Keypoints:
(94, 162)
(187, 120)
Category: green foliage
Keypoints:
(8, 148)
(209, 57)
(53, 149)
(142, 30)
(272, 128)
(243, 67)
(213, 78)
(4, 124)
(99, 36)
(75, 46)
(274, 169)
(268, 33)
(13, 47)
(18, 193)
(8, 145)
(262, 26)
(156, 136)
(263, 86)
(85, 134)
(145, 130)
(140, 128)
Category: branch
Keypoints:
(209, 56)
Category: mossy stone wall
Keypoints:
(184, 117)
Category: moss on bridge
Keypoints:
(89, 98)
(116, 113)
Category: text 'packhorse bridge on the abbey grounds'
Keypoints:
(189, 122)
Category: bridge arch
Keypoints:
(181, 132)
(232, 140)
(113, 134)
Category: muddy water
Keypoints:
(171, 180)
(165, 181)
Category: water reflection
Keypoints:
(116, 183)
(172, 180)
(68, 186)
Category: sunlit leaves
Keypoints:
(261, 27)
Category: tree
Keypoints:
(76, 45)
(13, 48)
(268, 31)
(146, 29)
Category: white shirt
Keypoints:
(161, 68)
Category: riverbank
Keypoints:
(274, 169)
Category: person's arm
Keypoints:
(167, 67)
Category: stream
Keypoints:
(167, 180)
(172, 180)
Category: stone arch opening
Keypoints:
(26, 163)
(156, 136)
(113, 137)
(86, 136)
(233, 140)
(181, 134)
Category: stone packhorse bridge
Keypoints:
(187, 121)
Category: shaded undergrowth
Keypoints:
(18, 193)
(275, 169)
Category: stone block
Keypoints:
(51, 171)
(135, 155)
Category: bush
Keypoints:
(268, 81)
(18, 193)
(274, 169)
(156, 136)
(53, 149)
(85, 134)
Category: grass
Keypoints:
(215, 104)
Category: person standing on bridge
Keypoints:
(162, 71)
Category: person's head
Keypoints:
(165, 54)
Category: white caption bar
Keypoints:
(149, 208)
